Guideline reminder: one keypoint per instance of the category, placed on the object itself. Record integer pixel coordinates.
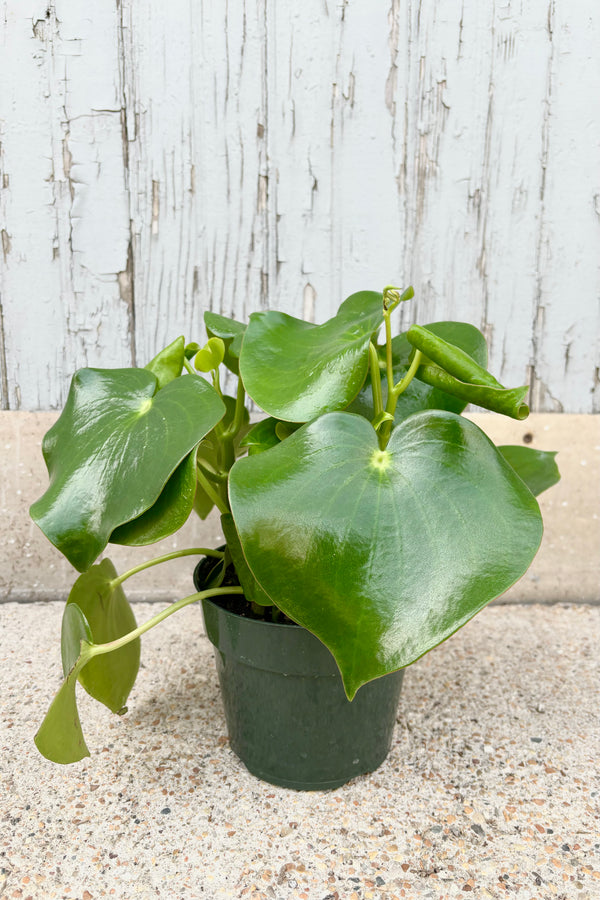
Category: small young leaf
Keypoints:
(210, 356)
(231, 332)
(168, 364)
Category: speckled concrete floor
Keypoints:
(491, 788)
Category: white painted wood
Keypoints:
(158, 160)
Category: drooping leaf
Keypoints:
(168, 364)
(537, 468)
(383, 554)
(419, 396)
(168, 514)
(230, 332)
(108, 677)
(295, 370)
(113, 449)
(60, 737)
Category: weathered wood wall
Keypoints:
(160, 159)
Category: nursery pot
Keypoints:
(288, 716)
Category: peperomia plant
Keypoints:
(363, 507)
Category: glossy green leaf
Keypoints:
(295, 370)
(383, 554)
(231, 332)
(252, 589)
(168, 364)
(60, 738)
(168, 514)
(112, 451)
(537, 468)
(108, 677)
(419, 396)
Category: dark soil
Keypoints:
(206, 575)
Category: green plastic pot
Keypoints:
(288, 717)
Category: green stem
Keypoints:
(195, 551)
(99, 649)
(189, 366)
(375, 380)
(211, 491)
(240, 406)
(402, 385)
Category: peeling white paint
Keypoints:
(157, 161)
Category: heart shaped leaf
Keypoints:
(113, 449)
(295, 370)
(109, 677)
(383, 554)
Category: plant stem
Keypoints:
(375, 380)
(402, 385)
(195, 551)
(99, 649)
(189, 366)
(211, 491)
(238, 416)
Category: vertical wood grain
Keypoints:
(156, 161)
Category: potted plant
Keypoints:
(365, 521)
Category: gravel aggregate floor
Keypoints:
(492, 787)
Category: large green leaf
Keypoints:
(383, 554)
(295, 370)
(60, 737)
(537, 468)
(111, 452)
(418, 395)
(109, 677)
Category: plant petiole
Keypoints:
(375, 381)
(176, 554)
(99, 649)
(211, 490)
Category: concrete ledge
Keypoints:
(491, 787)
(567, 568)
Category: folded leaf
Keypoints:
(60, 738)
(113, 449)
(168, 514)
(383, 554)
(168, 364)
